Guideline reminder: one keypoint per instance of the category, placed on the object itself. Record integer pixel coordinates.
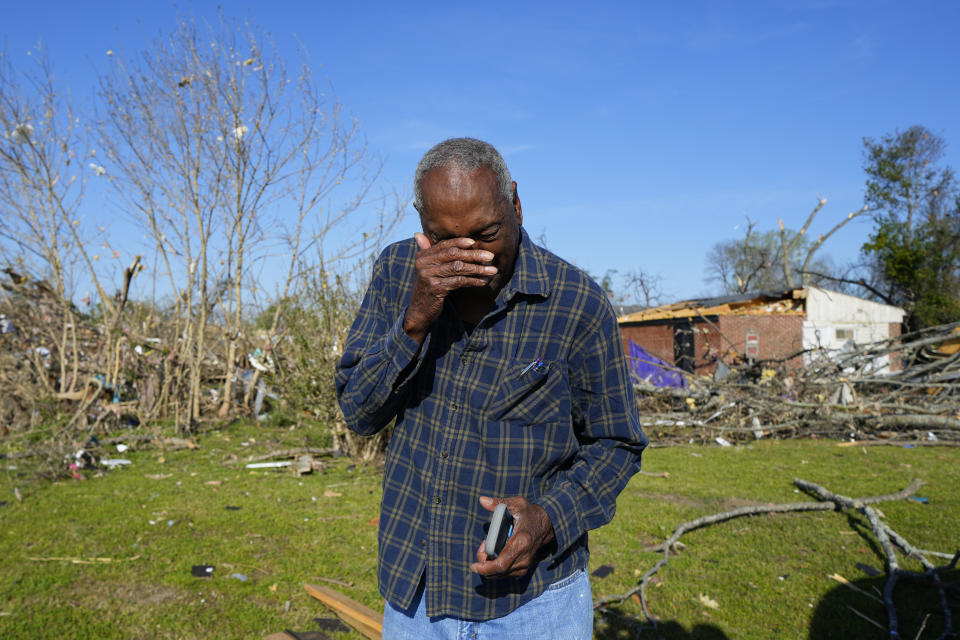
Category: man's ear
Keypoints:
(516, 204)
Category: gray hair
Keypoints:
(467, 154)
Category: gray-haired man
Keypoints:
(503, 368)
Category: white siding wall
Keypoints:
(836, 321)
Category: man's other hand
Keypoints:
(439, 269)
(532, 530)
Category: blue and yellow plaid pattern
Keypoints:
(535, 401)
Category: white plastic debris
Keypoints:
(111, 463)
(268, 465)
(260, 360)
(931, 436)
(122, 447)
(723, 442)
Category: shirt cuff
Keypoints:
(401, 349)
(561, 507)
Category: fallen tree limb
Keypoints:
(886, 537)
(890, 421)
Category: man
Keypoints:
(503, 369)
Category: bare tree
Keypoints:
(45, 156)
(742, 265)
(782, 259)
(230, 162)
(788, 245)
(644, 287)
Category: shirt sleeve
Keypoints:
(378, 358)
(611, 439)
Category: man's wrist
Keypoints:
(544, 525)
(412, 327)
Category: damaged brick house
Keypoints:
(693, 334)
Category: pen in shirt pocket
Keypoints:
(536, 365)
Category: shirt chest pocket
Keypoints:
(531, 395)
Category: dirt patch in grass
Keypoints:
(735, 503)
(674, 499)
(727, 504)
(101, 595)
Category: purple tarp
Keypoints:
(652, 369)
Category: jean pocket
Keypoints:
(565, 582)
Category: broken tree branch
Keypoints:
(886, 537)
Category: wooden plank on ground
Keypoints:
(362, 618)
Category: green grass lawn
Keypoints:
(140, 529)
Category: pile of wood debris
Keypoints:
(904, 390)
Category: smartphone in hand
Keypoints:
(501, 528)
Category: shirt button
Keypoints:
(454, 406)
(423, 542)
(444, 454)
(437, 500)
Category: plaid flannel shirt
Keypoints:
(473, 418)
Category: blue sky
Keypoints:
(639, 133)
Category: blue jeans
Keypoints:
(563, 612)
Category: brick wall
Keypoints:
(780, 336)
(657, 339)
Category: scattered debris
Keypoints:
(83, 560)
(362, 618)
(845, 395)
(655, 474)
(202, 571)
(839, 578)
(708, 602)
(268, 465)
(303, 464)
(290, 453)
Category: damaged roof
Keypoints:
(790, 301)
